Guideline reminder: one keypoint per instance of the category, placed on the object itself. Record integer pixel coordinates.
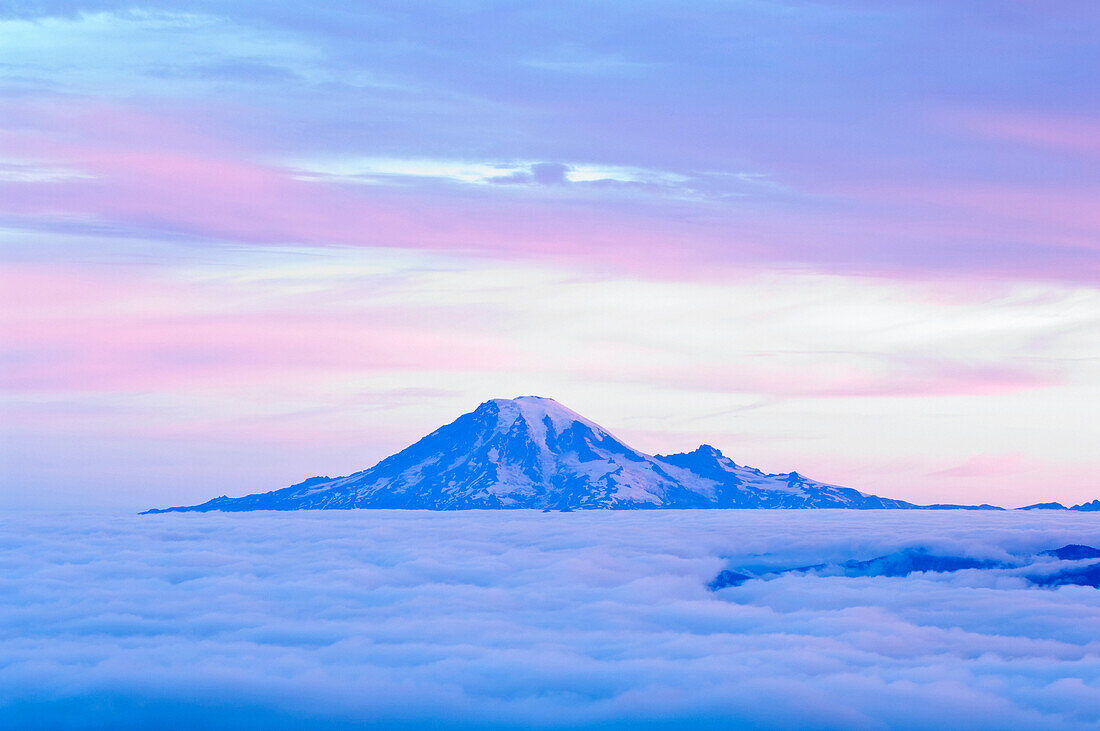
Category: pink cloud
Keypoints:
(80, 331)
(986, 465)
(183, 181)
(1008, 480)
(1076, 135)
(1067, 217)
(912, 377)
(159, 175)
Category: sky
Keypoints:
(245, 243)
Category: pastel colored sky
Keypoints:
(246, 243)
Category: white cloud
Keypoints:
(572, 59)
(666, 365)
(488, 619)
(132, 51)
(23, 172)
(351, 169)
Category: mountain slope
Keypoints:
(532, 452)
(747, 487)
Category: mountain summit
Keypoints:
(532, 452)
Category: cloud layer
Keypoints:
(829, 134)
(520, 619)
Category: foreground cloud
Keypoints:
(525, 619)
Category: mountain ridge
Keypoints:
(1086, 507)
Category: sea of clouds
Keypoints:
(522, 619)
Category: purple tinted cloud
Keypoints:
(521, 619)
(896, 138)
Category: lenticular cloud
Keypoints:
(523, 619)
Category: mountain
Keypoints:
(532, 452)
(922, 560)
(737, 486)
(1093, 506)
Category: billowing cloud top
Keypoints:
(518, 620)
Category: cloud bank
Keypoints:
(501, 620)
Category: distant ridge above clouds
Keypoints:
(532, 452)
(1089, 507)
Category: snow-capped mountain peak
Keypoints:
(539, 412)
(532, 452)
